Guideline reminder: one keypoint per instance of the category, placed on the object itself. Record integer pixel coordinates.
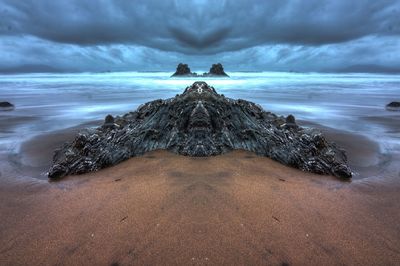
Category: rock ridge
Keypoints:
(200, 122)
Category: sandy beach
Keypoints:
(167, 209)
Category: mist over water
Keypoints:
(350, 102)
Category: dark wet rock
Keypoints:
(6, 106)
(109, 121)
(217, 70)
(290, 119)
(182, 70)
(200, 122)
(393, 106)
(290, 122)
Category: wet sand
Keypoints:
(233, 209)
(35, 155)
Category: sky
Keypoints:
(249, 35)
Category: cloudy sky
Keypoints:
(249, 35)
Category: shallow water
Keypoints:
(350, 102)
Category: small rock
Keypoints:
(290, 119)
(109, 122)
(393, 106)
(109, 119)
(6, 106)
(290, 122)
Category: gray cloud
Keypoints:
(200, 26)
(125, 35)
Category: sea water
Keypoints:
(349, 102)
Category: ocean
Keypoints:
(350, 102)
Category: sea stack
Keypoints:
(200, 122)
(182, 70)
(217, 70)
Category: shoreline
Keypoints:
(364, 154)
(34, 155)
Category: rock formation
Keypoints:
(217, 70)
(393, 106)
(183, 70)
(6, 106)
(200, 122)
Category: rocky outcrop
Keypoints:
(183, 70)
(393, 106)
(6, 106)
(217, 70)
(200, 122)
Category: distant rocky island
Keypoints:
(216, 70)
(200, 122)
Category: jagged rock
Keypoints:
(290, 121)
(182, 70)
(393, 106)
(217, 70)
(109, 121)
(200, 122)
(6, 106)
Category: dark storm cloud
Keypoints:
(88, 35)
(84, 22)
(191, 39)
(198, 27)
